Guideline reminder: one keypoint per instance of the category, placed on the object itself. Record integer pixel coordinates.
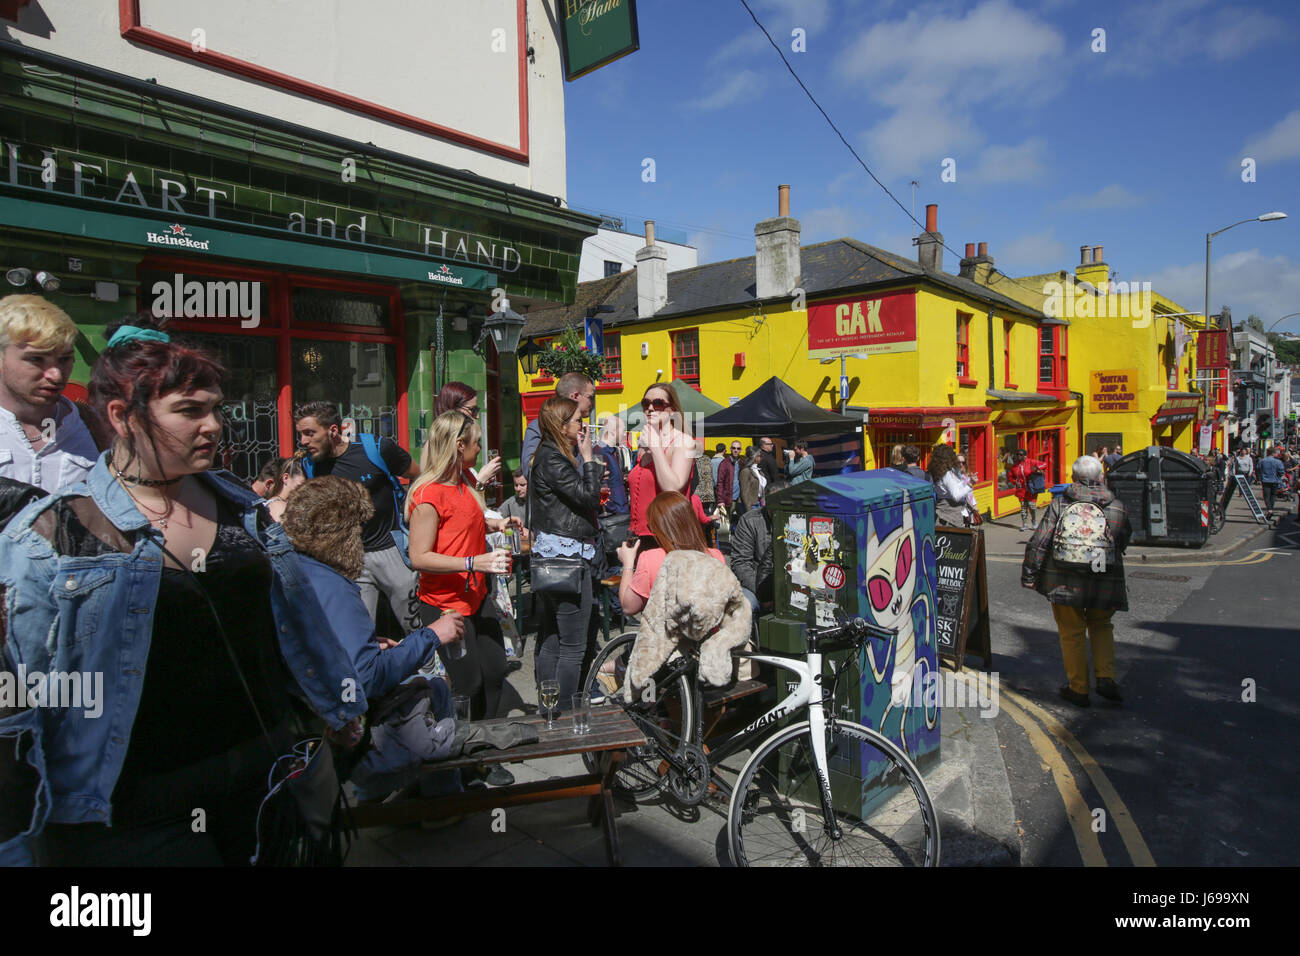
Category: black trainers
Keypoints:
(1079, 700)
(499, 776)
(1107, 688)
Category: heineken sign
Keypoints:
(596, 32)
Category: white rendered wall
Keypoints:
(622, 247)
(431, 59)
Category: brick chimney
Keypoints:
(651, 275)
(977, 265)
(776, 263)
(929, 244)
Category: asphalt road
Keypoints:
(1189, 770)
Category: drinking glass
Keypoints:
(582, 713)
(550, 696)
(460, 707)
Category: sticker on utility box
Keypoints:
(834, 576)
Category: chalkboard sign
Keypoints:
(961, 595)
(1244, 486)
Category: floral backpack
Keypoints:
(1082, 540)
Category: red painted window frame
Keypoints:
(1059, 357)
(1008, 327)
(543, 376)
(680, 335)
(133, 31)
(607, 380)
(963, 349)
(278, 325)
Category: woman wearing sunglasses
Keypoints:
(459, 397)
(668, 464)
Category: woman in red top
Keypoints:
(1019, 474)
(448, 532)
(667, 466)
(676, 527)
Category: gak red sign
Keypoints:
(885, 322)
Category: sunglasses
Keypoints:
(658, 404)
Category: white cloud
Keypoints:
(1027, 255)
(829, 222)
(1246, 282)
(748, 44)
(933, 72)
(787, 14)
(1279, 144)
(1012, 164)
(1113, 196)
(1146, 36)
(914, 140)
(738, 87)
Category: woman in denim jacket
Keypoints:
(156, 625)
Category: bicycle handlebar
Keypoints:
(857, 628)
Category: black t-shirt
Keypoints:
(355, 466)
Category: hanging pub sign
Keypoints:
(596, 32)
(1212, 349)
(885, 322)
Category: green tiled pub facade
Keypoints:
(316, 270)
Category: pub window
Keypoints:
(612, 267)
(686, 356)
(613, 363)
(963, 345)
(543, 373)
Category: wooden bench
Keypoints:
(719, 702)
(612, 733)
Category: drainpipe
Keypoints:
(992, 364)
(1079, 397)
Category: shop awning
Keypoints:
(163, 233)
(1174, 410)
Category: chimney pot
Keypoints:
(783, 200)
(970, 250)
(1096, 254)
(1085, 255)
(984, 248)
(649, 232)
(932, 217)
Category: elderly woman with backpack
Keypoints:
(1075, 560)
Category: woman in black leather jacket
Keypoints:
(563, 501)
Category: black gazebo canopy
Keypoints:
(776, 409)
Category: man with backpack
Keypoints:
(376, 464)
(1075, 560)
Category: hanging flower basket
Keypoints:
(568, 353)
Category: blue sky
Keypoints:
(1138, 148)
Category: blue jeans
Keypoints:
(562, 638)
(751, 597)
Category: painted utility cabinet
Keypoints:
(863, 543)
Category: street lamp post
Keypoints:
(1209, 237)
(1281, 320)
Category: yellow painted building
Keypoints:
(958, 358)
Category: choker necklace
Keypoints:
(148, 482)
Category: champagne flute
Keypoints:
(550, 690)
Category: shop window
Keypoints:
(686, 356)
(1051, 357)
(884, 444)
(613, 364)
(1043, 445)
(1008, 366)
(963, 346)
(612, 268)
(971, 444)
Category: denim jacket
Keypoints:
(71, 614)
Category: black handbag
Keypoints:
(558, 575)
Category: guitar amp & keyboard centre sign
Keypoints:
(870, 325)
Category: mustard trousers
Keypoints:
(1073, 624)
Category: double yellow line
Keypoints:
(1029, 716)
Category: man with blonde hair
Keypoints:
(43, 440)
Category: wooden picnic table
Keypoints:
(612, 733)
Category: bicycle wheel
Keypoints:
(669, 708)
(775, 817)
